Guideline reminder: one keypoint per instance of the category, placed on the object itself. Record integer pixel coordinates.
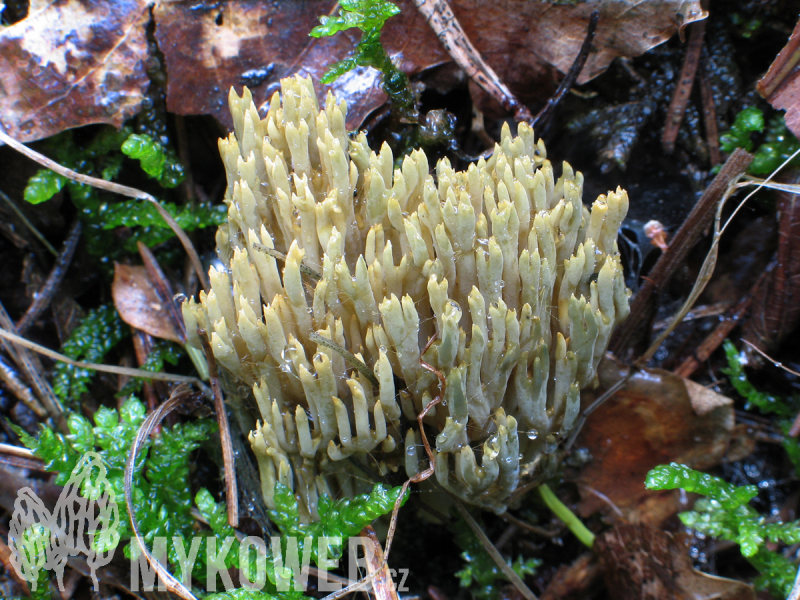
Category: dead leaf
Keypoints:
(138, 304)
(781, 85)
(704, 400)
(71, 63)
(210, 47)
(651, 421)
(645, 563)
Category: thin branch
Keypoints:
(444, 23)
(28, 224)
(494, 553)
(546, 114)
(152, 420)
(45, 295)
(677, 107)
(774, 362)
(29, 364)
(141, 373)
(116, 188)
(23, 393)
(231, 488)
(682, 242)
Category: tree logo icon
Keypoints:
(84, 521)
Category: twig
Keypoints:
(721, 331)
(45, 295)
(709, 114)
(546, 114)
(774, 362)
(153, 419)
(142, 346)
(494, 553)
(13, 382)
(677, 107)
(682, 243)
(422, 475)
(440, 17)
(231, 489)
(528, 527)
(383, 586)
(28, 224)
(29, 364)
(123, 190)
(21, 341)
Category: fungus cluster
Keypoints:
(338, 269)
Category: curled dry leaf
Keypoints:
(781, 85)
(644, 562)
(72, 63)
(651, 421)
(138, 304)
(210, 47)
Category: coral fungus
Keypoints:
(339, 268)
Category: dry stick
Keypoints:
(440, 17)
(682, 243)
(774, 362)
(542, 119)
(721, 331)
(141, 373)
(231, 489)
(677, 107)
(45, 295)
(123, 190)
(28, 224)
(153, 419)
(493, 552)
(422, 475)
(23, 393)
(528, 527)
(709, 114)
(383, 587)
(29, 364)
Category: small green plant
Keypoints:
(778, 142)
(784, 408)
(369, 16)
(103, 157)
(480, 573)
(341, 519)
(162, 496)
(725, 513)
(158, 162)
(162, 352)
(98, 332)
(163, 501)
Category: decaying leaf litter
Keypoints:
(623, 113)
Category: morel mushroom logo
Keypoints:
(84, 521)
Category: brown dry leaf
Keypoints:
(210, 47)
(651, 421)
(138, 304)
(781, 85)
(644, 563)
(72, 63)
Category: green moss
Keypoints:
(369, 16)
